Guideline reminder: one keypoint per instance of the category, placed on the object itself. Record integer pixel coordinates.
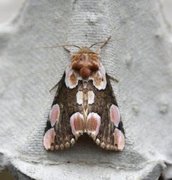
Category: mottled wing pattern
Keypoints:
(111, 132)
(67, 122)
(84, 103)
(58, 133)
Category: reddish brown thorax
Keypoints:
(85, 62)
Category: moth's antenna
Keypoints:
(65, 47)
(55, 46)
(104, 43)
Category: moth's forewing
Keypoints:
(84, 103)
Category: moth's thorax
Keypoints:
(85, 95)
(85, 62)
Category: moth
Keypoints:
(84, 103)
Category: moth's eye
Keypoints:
(76, 66)
(94, 66)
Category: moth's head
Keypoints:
(85, 62)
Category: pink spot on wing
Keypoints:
(54, 114)
(114, 115)
(99, 78)
(71, 78)
(49, 138)
(119, 140)
(77, 123)
(93, 123)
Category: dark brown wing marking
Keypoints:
(111, 134)
(60, 135)
(66, 120)
(84, 103)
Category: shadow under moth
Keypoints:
(84, 103)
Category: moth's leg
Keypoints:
(111, 134)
